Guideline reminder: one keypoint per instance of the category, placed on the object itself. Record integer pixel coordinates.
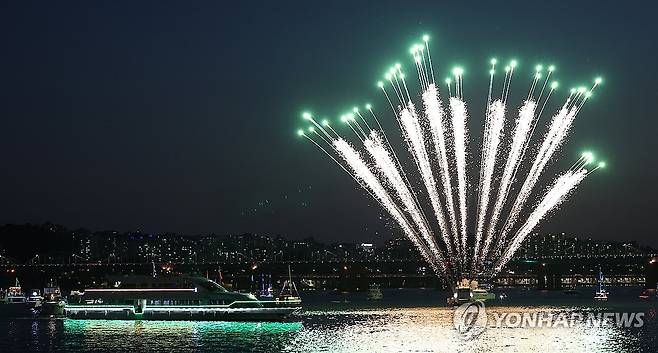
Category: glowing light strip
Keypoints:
(94, 306)
(160, 310)
(141, 290)
(173, 308)
(98, 308)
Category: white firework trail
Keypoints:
(492, 138)
(353, 159)
(460, 134)
(519, 138)
(388, 168)
(435, 115)
(440, 145)
(416, 143)
(553, 198)
(559, 128)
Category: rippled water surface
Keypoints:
(405, 321)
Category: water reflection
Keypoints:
(335, 328)
(381, 330)
(431, 330)
(184, 336)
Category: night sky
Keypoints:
(181, 116)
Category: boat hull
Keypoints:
(187, 314)
(52, 308)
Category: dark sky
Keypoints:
(181, 116)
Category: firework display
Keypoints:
(461, 227)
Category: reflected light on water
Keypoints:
(415, 329)
(162, 336)
(431, 330)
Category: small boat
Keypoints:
(34, 299)
(461, 294)
(374, 292)
(469, 291)
(483, 294)
(288, 296)
(266, 292)
(649, 293)
(13, 302)
(601, 294)
(53, 303)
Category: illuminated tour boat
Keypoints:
(170, 298)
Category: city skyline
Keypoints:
(88, 245)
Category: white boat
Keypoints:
(34, 299)
(601, 294)
(170, 298)
(14, 303)
(289, 296)
(53, 303)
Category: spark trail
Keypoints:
(492, 137)
(553, 198)
(438, 143)
(520, 136)
(558, 130)
(416, 142)
(435, 116)
(362, 172)
(460, 134)
(389, 169)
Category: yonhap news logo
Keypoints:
(472, 319)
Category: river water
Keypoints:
(405, 321)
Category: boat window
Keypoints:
(211, 286)
(247, 305)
